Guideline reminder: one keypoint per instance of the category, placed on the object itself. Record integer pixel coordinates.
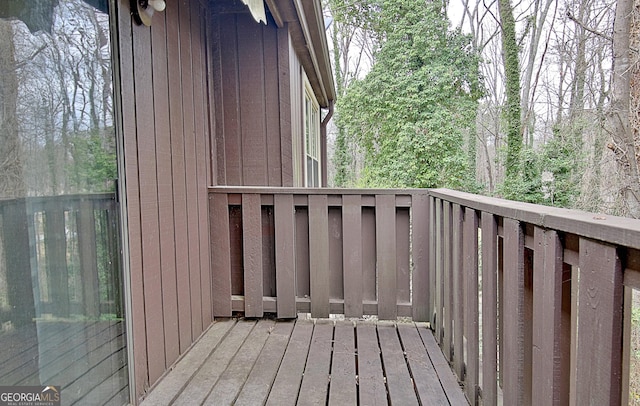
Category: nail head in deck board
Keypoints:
(285, 255)
(230, 383)
(252, 258)
(547, 318)
(424, 376)
(287, 383)
(513, 293)
(489, 309)
(371, 384)
(201, 383)
(420, 253)
(220, 252)
(470, 250)
(352, 255)
(256, 389)
(445, 374)
(343, 388)
(386, 256)
(319, 267)
(401, 391)
(315, 381)
(169, 387)
(599, 343)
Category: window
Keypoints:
(311, 138)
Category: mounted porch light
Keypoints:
(257, 10)
(143, 10)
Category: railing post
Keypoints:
(386, 256)
(599, 341)
(489, 309)
(458, 292)
(352, 254)
(220, 254)
(470, 250)
(285, 255)
(513, 299)
(318, 255)
(252, 247)
(547, 317)
(420, 220)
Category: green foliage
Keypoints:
(526, 185)
(411, 113)
(94, 161)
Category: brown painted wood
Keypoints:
(268, 251)
(190, 166)
(313, 389)
(251, 81)
(165, 192)
(513, 291)
(441, 365)
(220, 252)
(178, 180)
(272, 106)
(369, 279)
(285, 103)
(447, 279)
(252, 255)
(439, 268)
(228, 386)
(201, 113)
(231, 131)
(386, 256)
(198, 388)
(318, 254)
(547, 318)
(458, 291)
(303, 288)
(470, 267)
(426, 381)
(352, 255)
(148, 202)
(287, 383)
(420, 253)
(172, 384)
(343, 384)
(401, 391)
(489, 309)
(403, 255)
(256, 389)
(599, 341)
(371, 388)
(285, 255)
(336, 271)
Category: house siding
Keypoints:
(250, 64)
(165, 123)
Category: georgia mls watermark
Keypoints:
(29, 396)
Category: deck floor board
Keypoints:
(318, 362)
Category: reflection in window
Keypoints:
(312, 138)
(61, 313)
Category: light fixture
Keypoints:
(143, 10)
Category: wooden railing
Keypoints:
(546, 291)
(530, 304)
(323, 251)
(63, 251)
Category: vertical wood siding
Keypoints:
(250, 64)
(165, 116)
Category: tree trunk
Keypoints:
(618, 120)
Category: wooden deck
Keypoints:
(307, 362)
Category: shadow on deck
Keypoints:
(311, 362)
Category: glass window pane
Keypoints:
(61, 312)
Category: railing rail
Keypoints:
(61, 255)
(530, 304)
(323, 251)
(547, 291)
